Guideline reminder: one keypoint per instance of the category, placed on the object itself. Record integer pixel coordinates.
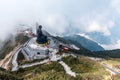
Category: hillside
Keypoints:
(85, 69)
(86, 43)
(6, 75)
(11, 43)
(70, 42)
(109, 53)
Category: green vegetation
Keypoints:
(20, 58)
(21, 39)
(50, 71)
(87, 68)
(5, 75)
(109, 53)
(10, 45)
(6, 49)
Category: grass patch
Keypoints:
(81, 65)
(6, 75)
(117, 77)
(87, 68)
(113, 63)
(20, 58)
(50, 71)
(40, 69)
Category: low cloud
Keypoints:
(86, 36)
(57, 24)
(115, 4)
(14, 13)
(112, 46)
(89, 25)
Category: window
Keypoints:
(38, 53)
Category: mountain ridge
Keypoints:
(86, 43)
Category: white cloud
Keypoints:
(86, 36)
(56, 23)
(28, 12)
(88, 24)
(116, 5)
(112, 46)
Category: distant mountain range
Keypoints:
(86, 43)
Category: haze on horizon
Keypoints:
(97, 19)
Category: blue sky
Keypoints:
(97, 19)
